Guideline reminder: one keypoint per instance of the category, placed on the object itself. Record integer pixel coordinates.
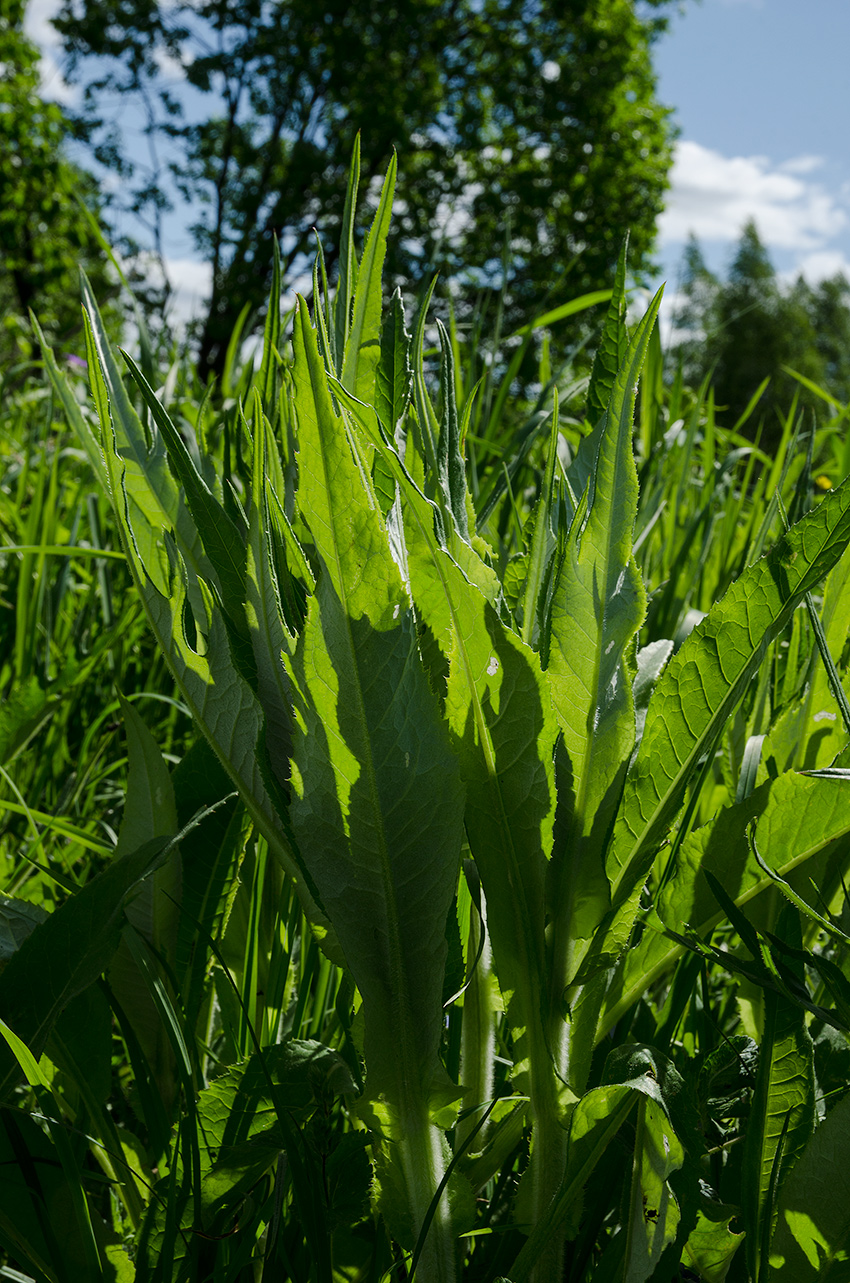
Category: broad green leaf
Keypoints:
(811, 732)
(498, 710)
(377, 798)
(651, 661)
(781, 1121)
(229, 713)
(363, 346)
(598, 604)
(811, 1243)
(431, 517)
(67, 953)
(500, 717)
(706, 678)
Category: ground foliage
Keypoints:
(470, 905)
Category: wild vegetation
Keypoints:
(468, 900)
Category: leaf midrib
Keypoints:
(410, 1069)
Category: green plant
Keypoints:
(446, 992)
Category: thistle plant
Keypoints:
(437, 761)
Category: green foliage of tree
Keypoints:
(527, 132)
(45, 236)
(751, 327)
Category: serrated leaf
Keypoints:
(598, 604)
(799, 819)
(596, 1120)
(802, 822)
(781, 1121)
(147, 491)
(613, 343)
(706, 678)
(223, 704)
(812, 1237)
(377, 797)
(712, 1243)
(222, 541)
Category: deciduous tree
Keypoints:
(528, 132)
(45, 235)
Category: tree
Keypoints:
(750, 327)
(527, 132)
(45, 236)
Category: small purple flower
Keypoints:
(76, 362)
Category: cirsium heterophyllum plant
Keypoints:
(389, 709)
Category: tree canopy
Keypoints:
(45, 235)
(528, 132)
(752, 326)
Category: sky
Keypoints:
(759, 92)
(761, 98)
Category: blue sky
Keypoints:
(759, 91)
(760, 94)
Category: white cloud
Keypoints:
(39, 28)
(801, 165)
(713, 196)
(820, 266)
